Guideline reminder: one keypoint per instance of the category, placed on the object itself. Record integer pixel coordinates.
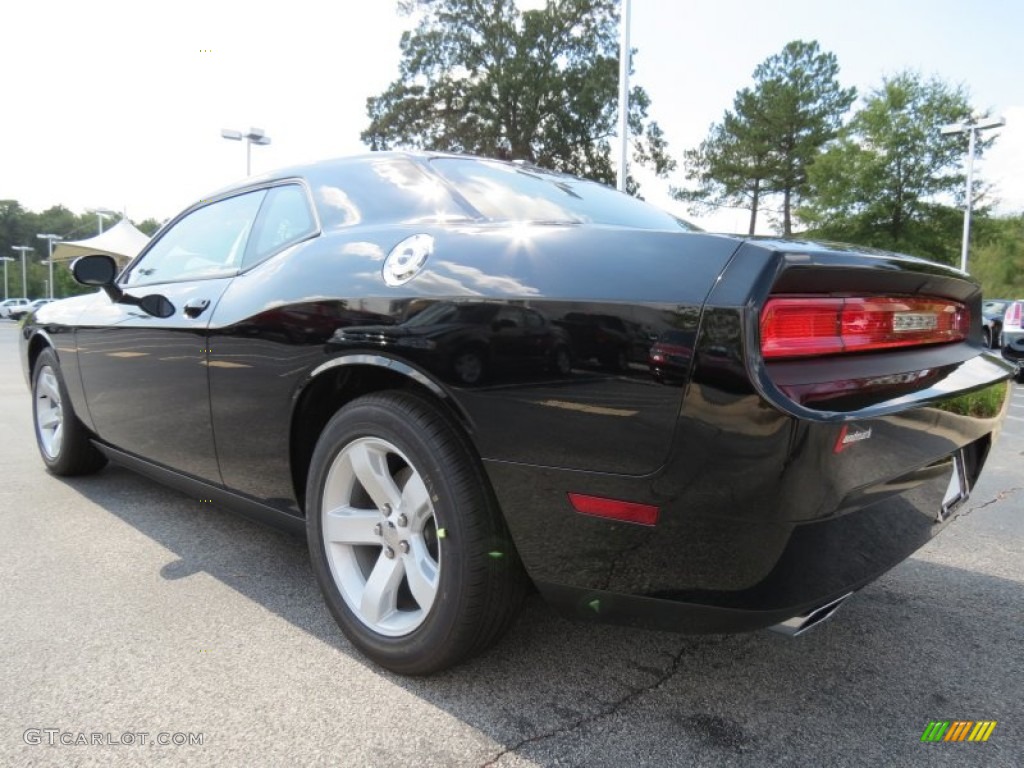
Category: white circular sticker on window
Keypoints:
(407, 259)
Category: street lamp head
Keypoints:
(991, 122)
(952, 128)
(227, 133)
(50, 237)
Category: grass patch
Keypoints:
(983, 404)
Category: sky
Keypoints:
(112, 104)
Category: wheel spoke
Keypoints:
(380, 596)
(48, 387)
(416, 502)
(49, 418)
(422, 572)
(347, 525)
(57, 440)
(370, 466)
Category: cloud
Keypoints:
(1003, 166)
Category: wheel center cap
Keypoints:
(390, 534)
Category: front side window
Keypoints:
(207, 243)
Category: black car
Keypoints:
(992, 311)
(470, 341)
(831, 410)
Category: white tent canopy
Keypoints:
(123, 241)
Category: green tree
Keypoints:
(732, 167)
(773, 133)
(147, 226)
(21, 227)
(890, 179)
(997, 258)
(481, 77)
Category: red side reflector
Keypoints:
(627, 511)
(824, 325)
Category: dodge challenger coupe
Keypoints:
(379, 351)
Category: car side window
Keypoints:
(285, 218)
(509, 317)
(207, 243)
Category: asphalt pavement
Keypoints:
(143, 627)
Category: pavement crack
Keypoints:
(1000, 495)
(609, 710)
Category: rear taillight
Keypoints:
(1012, 315)
(824, 325)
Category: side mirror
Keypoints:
(97, 269)
(101, 270)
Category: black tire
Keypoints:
(480, 582)
(73, 453)
(987, 332)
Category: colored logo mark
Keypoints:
(958, 730)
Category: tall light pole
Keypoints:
(624, 57)
(101, 214)
(254, 136)
(971, 126)
(5, 259)
(49, 242)
(24, 277)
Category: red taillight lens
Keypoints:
(1012, 315)
(824, 325)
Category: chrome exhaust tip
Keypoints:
(805, 621)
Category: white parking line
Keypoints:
(1015, 418)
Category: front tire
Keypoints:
(406, 541)
(62, 439)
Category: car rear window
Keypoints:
(508, 192)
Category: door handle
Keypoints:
(196, 307)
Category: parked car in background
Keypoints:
(1011, 339)
(992, 311)
(292, 347)
(470, 341)
(16, 313)
(12, 305)
(611, 340)
(669, 357)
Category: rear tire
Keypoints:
(63, 440)
(405, 537)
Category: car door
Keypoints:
(146, 378)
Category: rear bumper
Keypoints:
(1013, 350)
(761, 518)
(698, 573)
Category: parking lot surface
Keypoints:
(163, 631)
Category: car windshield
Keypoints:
(509, 192)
